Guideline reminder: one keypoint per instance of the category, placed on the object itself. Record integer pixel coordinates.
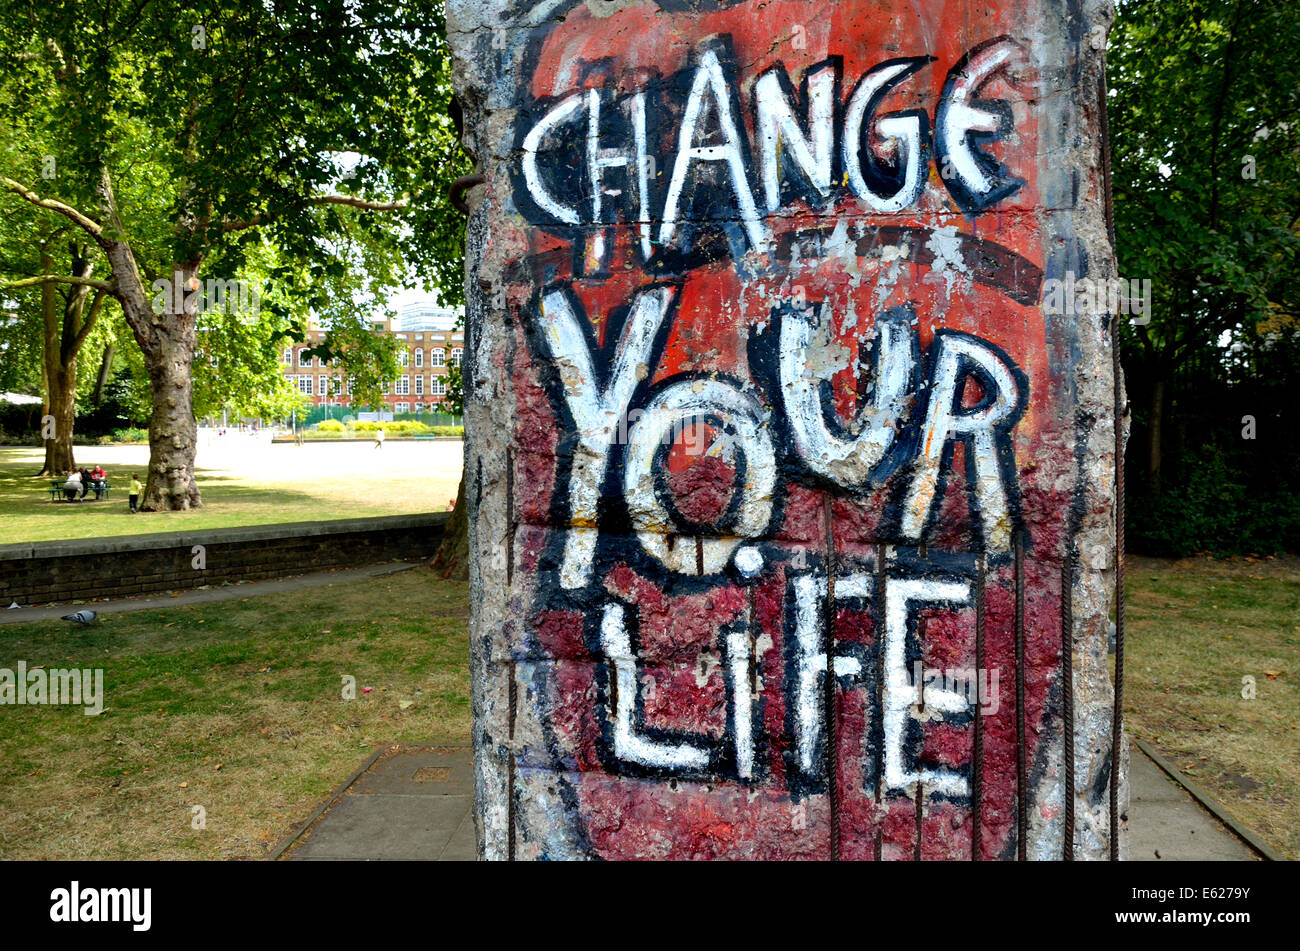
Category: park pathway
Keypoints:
(171, 599)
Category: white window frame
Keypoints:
(439, 387)
(437, 357)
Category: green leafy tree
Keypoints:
(1205, 136)
(185, 134)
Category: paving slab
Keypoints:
(387, 826)
(414, 805)
(1167, 825)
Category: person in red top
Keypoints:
(97, 478)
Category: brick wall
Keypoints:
(41, 572)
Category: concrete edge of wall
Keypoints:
(217, 536)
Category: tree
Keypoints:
(33, 249)
(321, 127)
(1205, 136)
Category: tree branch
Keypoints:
(242, 224)
(88, 324)
(91, 227)
(104, 286)
(355, 202)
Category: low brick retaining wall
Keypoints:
(42, 572)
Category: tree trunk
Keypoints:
(173, 431)
(168, 341)
(61, 403)
(1156, 433)
(453, 553)
(105, 364)
(59, 374)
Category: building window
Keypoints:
(419, 357)
(439, 387)
(402, 408)
(288, 356)
(403, 386)
(419, 407)
(306, 384)
(303, 359)
(456, 354)
(404, 358)
(386, 388)
(419, 385)
(349, 386)
(437, 357)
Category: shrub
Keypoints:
(330, 426)
(130, 434)
(400, 427)
(1213, 510)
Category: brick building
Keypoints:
(430, 345)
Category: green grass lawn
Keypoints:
(283, 484)
(1195, 628)
(236, 707)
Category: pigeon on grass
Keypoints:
(81, 617)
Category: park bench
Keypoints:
(56, 490)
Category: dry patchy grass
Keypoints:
(1196, 627)
(236, 707)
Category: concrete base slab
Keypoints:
(417, 806)
(411, 806)
(440, 772)
(1166, 824)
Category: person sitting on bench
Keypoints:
(98, 477)
(72, 489)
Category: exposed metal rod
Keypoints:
(1022, 806)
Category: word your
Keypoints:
(596, 402)
(812, 150)
(103, 904)
(192, 296)
(1116, 295)
(54, 687)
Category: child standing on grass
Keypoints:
(135, 493)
